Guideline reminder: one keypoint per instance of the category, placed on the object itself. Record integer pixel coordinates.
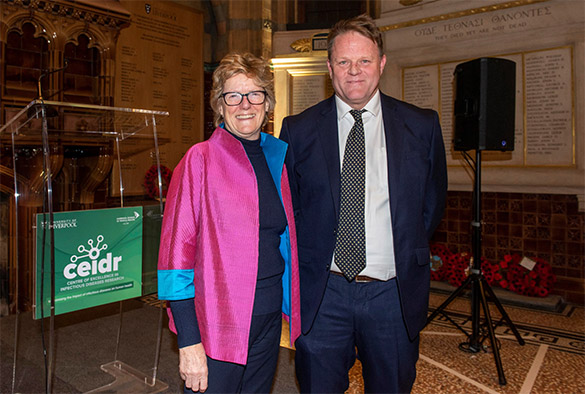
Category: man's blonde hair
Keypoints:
(362, 24)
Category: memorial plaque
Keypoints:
(308, 90)
(544, 134)
(421, 86)
(549, 107)
(159, 66)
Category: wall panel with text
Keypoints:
(159, 65)
(546, 40)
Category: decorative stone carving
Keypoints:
(302, 45)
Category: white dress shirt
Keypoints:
(380, 262)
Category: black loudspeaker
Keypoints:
(485, 100)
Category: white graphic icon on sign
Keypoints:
(93, 252)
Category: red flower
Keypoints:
(151, 181)
(517, 278)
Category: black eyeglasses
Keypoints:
(256, 97)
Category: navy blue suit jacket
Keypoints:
(417, 181)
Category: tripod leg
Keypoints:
(503, 313)
(448, 300)
(492, 335)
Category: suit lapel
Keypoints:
(327, 128)
(394, 131)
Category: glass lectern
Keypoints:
(66, 160)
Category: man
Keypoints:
(397, 200)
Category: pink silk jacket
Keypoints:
(209, 242)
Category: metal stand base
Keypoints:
(475, 343)
(480, 289)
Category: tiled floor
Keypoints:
(551, 361)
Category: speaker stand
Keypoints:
(479, 289)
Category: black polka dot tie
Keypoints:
(350, 247)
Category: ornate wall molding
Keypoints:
(108, 17)
(62, 22)
(459, 14)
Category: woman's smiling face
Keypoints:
(244, 120)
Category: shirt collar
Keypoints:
(373, 106)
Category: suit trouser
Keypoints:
(366, 316)
(257, 375)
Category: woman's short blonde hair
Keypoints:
(253, 67)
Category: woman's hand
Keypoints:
(193, 367)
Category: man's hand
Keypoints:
(193, 367)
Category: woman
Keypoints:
(228, 262)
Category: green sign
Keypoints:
(150, 244)
(98, 258)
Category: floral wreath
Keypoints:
(534, 279)
(151, 181)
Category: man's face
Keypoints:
(355, 68)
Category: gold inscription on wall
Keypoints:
(159, 66)
(549, 115)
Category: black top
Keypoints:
(272, 216)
